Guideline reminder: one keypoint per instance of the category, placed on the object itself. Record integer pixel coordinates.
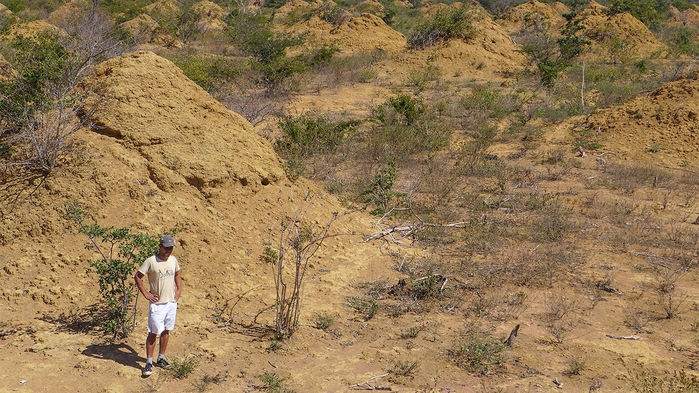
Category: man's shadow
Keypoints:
(120, 353)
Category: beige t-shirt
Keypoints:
(161, 277)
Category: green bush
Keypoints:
(254, 35)
(379, 193)
(120, 252)
(125, 9)
(683, 40)
(447, 23)
(209, 72)
(479, 353)
(182, 367)
(368, 307)
(41, 63)
(650, 12)
(305, 135)
(323, 321)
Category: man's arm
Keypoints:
(139, 283)
(178, 285)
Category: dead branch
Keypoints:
(368, 386)
(512, 336)
(623, 337)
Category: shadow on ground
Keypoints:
(120, 353)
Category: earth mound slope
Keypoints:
(661, 125)
(163, 152)
(606, 30)
(489, 52)
(552, 13)
(360, 34)
(154, 106)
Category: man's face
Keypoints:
(165, 252)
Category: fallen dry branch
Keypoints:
(623, 337)
(368, 385)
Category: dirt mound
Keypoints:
(210, 15)
(551, 12)
(661, 125)
(688, 17)
(212, 144)
(163, 9)
(490, 52)
(606, 31)
(166, 153)
(369, 6)
(62, 15)
(143, 24)
(31, 29)
(361, 34)
(4, 11)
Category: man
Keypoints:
(163, 273)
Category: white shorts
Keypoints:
(161, 317)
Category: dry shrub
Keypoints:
(631, 177)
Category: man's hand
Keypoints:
(153, 298)
(177, 295)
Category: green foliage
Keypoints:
(680, 382)
(254, 35)
(333, 14)
(368, 307)
(403, 126)
(479, 353)
(182, 367)
(551, 59)
(650, 12)
(35, 6)
(269, 255)
(41, 63)
(209, 72)
(404, 368)
(305, 136)
(379, 193)
(491, 103)
(683, 40)
(322, 56)
(323, 321)
(586, 139)
(447, 23)
(402, 109)
(125, 9)
(411, 332)
(575, 366)
(273, 383)
(120, 251)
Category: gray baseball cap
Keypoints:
(167, 241)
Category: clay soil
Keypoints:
(593, 256)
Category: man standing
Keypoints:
(163, 273)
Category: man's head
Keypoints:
(167, 243)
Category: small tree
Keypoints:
(552, 55)
(297, 244)
(119, 253)
(43, 104)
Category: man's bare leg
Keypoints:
(164, 336)
(150, 344)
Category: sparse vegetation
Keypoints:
(184, 366)
(120, 251)
(445, 24)
(479, 353)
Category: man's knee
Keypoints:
(164, 333)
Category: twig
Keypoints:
(512, 336)
(270, 363)
(368, 386)
(623, 337)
